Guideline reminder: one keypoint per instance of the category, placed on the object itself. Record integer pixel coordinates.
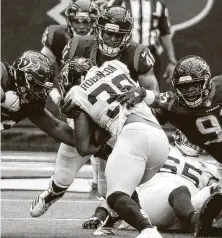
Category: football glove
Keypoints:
(104, 151)
(132, 97)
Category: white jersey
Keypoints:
(97, 96)
(197, 170)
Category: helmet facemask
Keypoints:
(109, 47)
(113, 30)
(33, 90)
(34, 75)
(186, 147)
(192, 92)
(80, 17)
(192, 80)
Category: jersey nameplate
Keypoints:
(99, 75)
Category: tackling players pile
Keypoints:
(108, 79)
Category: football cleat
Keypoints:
(41, 204)
(107, 227)
(210, 210)
(92, 223)
(104, 231)
(149, 233)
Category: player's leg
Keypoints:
(68, 164)
(184, 208)
(153, 197)
(103, 210)
(125, 169)
(95, 168)
(102, 187)
(180, 200)
(210, 210)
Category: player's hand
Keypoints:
(92, 223)
(169, 72)
(69, 109)
(132, 97)
(104, 152)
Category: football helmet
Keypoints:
(192, 80)
(34, 75)
(80, 16)
(73, 73)
(186, 147)
(113, 21)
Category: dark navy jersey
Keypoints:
(201, 125)
(137, 57)
(9, 119)
(55, 37)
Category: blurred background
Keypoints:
(196, 26)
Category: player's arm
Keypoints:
(47, 39)
(148, 90)
(46, 51)
(84, 134)
(47, 42)
(3, 71)
(167, 42)
(54, 94)
(143, 64)
(9, 99)
(55, 128)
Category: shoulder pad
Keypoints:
(48, 35)
(77, 46)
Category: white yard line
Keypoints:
(44, 219)
(60, 201)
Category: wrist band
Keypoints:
(149, 96)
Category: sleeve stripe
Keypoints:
(137, 56)
(151, 57)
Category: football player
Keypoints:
(68, 161)
(80, 16)
(188, 177)
(195, 107)
(197, 100)
(111, 40)
(134, 159)
(24, 89)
